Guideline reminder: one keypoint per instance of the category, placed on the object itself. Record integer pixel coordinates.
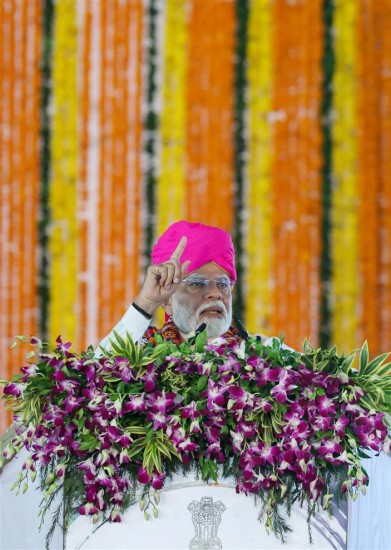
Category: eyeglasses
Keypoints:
(197, 284)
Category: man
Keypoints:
(191, 277)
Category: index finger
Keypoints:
(179, 249)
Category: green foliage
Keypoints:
(191, 373)
(372, 376)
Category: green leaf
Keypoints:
(107, 377)
(136, 449)
(94, 445)
(88, 443)
(307, 361)
(158, 338)
(115, 347)
(200, 342)
(322, 365)
(382, 370)
(160, 349)
(364, 354)
(307, 346)
(213, 470)
(347, 362)
(66, 371)
(377, 361)
(119, 339)
(202, 382)
(135, 430)
(205, 470)
(361, 454)
(164, 450)
(45, 391)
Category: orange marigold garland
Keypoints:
(368, 173)
(210, 113)
(295, 171)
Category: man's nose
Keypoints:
(212, 291)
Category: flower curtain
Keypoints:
(271, 119)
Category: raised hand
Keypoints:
(162, 280)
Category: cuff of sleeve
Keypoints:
(134, 322)
(142, 311)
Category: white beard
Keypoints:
(188, 322)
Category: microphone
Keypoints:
(200, 329)
(242, 331)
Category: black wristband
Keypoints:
(140, 310)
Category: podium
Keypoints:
(196, 516)
(193, 515)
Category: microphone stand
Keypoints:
(200, 329)
(242, 331)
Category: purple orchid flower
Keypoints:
(214, 451)
(212, 434)
(230, 365)
(72, 403)
(64, 384)
(339, 425)
(14, 388)
(61, 346)
(215, 396)
(237, 441)
(150, 378)
(161, 402)
(55, 415)
(248, 429)
(158, 480)
(239, 397)
(159, 420)
(266, 374)
(89, 468)
(267, 453)
(190, 411)
(31, 370)
(187, 445)
(326, 406)
(88, 509)
(194, 426)
(118, 436)
(123, 369)
(136, 403)
(330, 446)
(143, 476)
(60, 470)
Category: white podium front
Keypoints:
(19, 520)
(192, 515)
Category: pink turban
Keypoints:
(205, 243)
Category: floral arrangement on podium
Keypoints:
(108, 430)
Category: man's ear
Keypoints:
(167, 306)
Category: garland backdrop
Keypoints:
(269, 118)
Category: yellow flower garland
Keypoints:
(171, 179)
(345, 194)
(63, 189)
(258, 245)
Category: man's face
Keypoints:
(192, 306)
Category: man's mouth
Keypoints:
(213, 310)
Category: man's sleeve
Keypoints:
(133, 322)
